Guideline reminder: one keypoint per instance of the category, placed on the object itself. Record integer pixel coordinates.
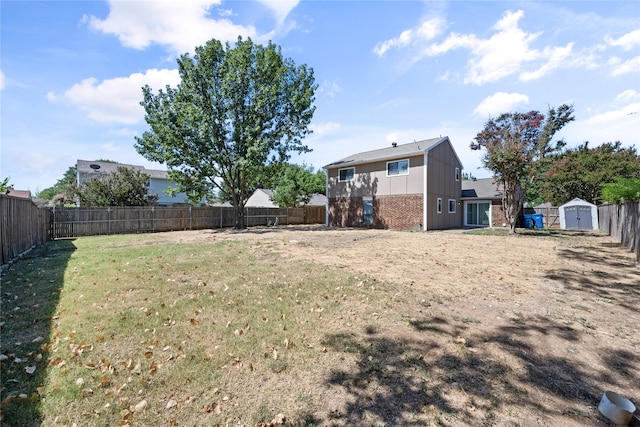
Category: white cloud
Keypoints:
(617, 123)
(428, 30)
(330, 88)
(117, 100)
(630, 66)
(628, 95)
(281, 8)
(507, 52)
(179, 26)
(2, 81)
(322, 129)
(557, 57)
(500, 102)
(111, 147)
(626, 42)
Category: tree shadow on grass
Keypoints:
(436, 376)
(30, 293)
(602, 272)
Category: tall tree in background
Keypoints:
(513, 143)
(621, 190)
(297, 185)
(580, 172)
(237, 111)
(125, 187)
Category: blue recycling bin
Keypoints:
(533, 221)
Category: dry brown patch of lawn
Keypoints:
(323, 326)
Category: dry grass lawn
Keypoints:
(320, 327)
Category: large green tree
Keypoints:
(297, 185)
(580, 172)
(125, 187)
(236, 111)
(514, 142)
(621, 190)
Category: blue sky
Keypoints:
(388, 71)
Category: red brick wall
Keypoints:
(399, 212)
(498, 218)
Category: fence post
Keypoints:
(153, 219)
(189, 217)
(109, 220)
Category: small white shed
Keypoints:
(578, 215)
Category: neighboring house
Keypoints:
(409, 186)
(158, 180)
(482, 200)
(23, 194)
(261, 198)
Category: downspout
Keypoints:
(326, 193)
(424, 191)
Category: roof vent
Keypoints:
(94, 166)
(394, 144)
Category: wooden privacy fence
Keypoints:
(91, 221)
(550, 215)
(622, 222)
(23, 226)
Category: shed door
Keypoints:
(578, 217)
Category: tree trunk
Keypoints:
(512, 203)
(238, 215)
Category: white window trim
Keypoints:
(397, 161)
(454, 205)
(439, 205)
(457, 174)
(347, 180)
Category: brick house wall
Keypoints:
(399, 212)
(498, 218)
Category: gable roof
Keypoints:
(84, 166)
(388, 153)
(484, 188)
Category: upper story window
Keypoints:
(457, 174)
(398, 167)
(346, 174)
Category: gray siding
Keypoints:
(371, 180)
(441, 183)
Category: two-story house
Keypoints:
(158, 183)
(409, 186)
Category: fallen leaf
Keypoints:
(171, 404)
(30, 369)
(80, 381)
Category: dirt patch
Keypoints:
(510, 330)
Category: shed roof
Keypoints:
(393, 152)
(84, 166)
(484, 188)
(578, 202)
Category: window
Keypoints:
(457, 174)
(346, 174)
(477, 213)
(398, 167)
(367, 208)
(439, 205)
(452, 205)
